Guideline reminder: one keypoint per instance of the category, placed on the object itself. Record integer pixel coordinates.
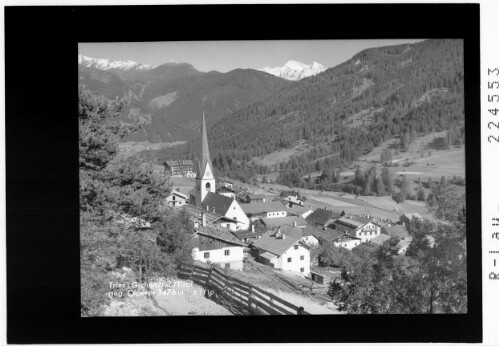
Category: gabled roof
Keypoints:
(322, 216)
(354, 221)
(221, 203)
(225, 189)
(179, 163)
(257, 208)
(210, 230)
(272, 222)
(275, 245)
(178, 193)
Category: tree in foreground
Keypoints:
(431, 278)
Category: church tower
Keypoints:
(205, 180)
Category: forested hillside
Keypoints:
(172, 96)
(347, 110)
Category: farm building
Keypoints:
(179, 167)
(406, 218)
(337, 238)
(268, 210)
(283, 252)
(226, 191)
(323, 216)
(300, 211)
(324, 276)
(357, 226)
(305, 234)
(176, 198)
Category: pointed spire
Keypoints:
(205, 151)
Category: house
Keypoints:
(256, 198)
(269, 209)
(213, 243)
(257, 229)
(280, 251)
(176, 198)
(293, 200)
(203, 195)
(323, 216)
(305, 234)
(179, 167)
(357, 226)
(213, 218)
(226, 191)
(300, 211)
(337, 238)
(273, 222)
(227, 207)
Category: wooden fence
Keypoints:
(247, 296)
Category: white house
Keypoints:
(176, 199)
(337, 238)
(358, 227)
(213, 243)
(283, 252)
(293, 200)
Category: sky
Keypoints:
(224, 56)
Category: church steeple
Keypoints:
(205, 160)
(205, 180)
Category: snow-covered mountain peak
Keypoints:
(106, 64)
(295, 70)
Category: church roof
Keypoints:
(205, 152)
(217, 203)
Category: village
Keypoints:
(238, 226)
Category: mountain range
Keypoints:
(171, 96)
(295, 70)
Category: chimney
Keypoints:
(196, 224)
(203, 217)
(213, 209)
(294, 223)
(252, 228)
(283, 236)
(207, 208)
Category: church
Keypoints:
(205, 197)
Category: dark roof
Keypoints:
(257, 208)
(275, 245)
(322, 216)
(365, 247)
(179, 163)
(272, 222)
(334, 235)
(397, 231)
(219, 202)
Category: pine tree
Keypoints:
(387, 179)
(380, 187)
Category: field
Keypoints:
(130, 148)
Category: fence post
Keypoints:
(300, 310)
(249, 297)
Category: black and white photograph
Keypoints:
(246, 173)
(272, 177)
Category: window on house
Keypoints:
(173, 198)
(296, 247)
(206, 255)
(227, 252)
(208, 185)
(289, 259)
(302, 258)
(302, 270)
